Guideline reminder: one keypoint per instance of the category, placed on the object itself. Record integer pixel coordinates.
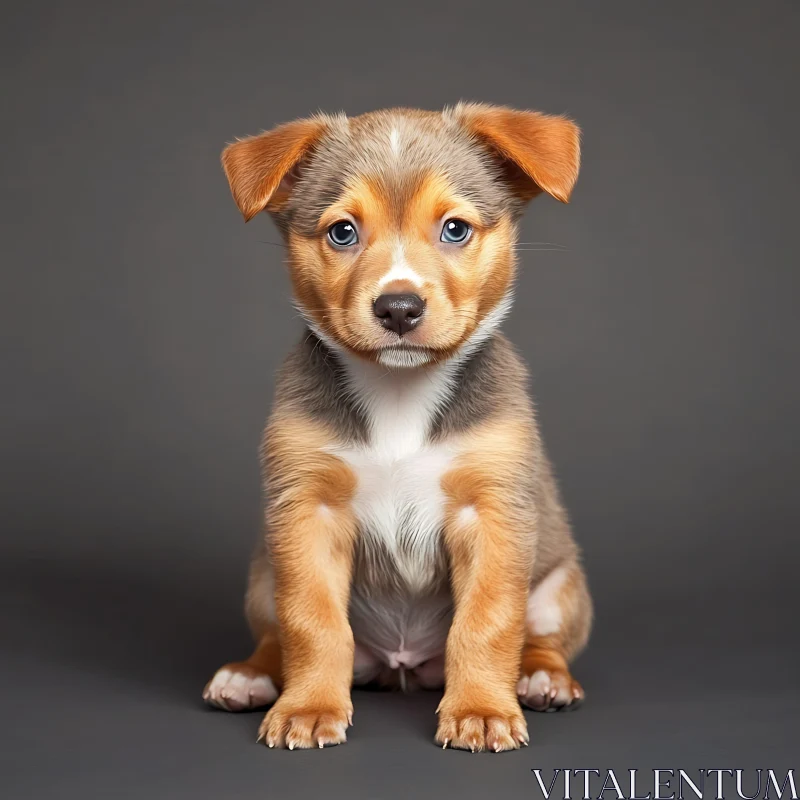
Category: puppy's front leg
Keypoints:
(311, 534)
(488, 534)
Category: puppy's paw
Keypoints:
(478, 730)
(300, 726)
(550, 690)
(239, 687)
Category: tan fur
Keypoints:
(310, 530)
(397, 176)
(490, 560)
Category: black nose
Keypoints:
(399, 312)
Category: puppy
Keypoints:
(414, 534)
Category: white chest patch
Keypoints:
(399, 501)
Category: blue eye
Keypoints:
(455, 231)
(343, 234)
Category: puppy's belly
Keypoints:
(400, 607)
(401, 631)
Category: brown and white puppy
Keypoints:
(413, 530)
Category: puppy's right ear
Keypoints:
(259, 168)
(541, 152)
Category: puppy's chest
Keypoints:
(399, 502)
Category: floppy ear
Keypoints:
(259, 168)
(543, 150)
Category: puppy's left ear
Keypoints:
(542, 151)
(260, 168)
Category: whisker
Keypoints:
(274, 244)
(385, 374)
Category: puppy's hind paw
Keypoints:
(550, 690)
(239, 687)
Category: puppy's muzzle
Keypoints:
(399, 312)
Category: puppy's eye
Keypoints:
(343, 234)
(455, 231)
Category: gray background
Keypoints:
(143, 323)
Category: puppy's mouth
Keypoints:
(402, 355)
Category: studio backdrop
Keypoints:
(143, 324)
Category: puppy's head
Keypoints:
(400, 224)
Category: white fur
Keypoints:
(398, 472)
(404, 357)
(467, 515)
(232, 690)
(538, 683)
(399, 493)
(400, 270)
(394, 141)
(543, 615)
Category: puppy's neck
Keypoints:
(405, 408)
(400, 405)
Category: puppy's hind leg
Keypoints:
(244, 685)
(557, 625)
(254, 683)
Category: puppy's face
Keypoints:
(400, 224)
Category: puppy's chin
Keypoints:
(401, 357)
